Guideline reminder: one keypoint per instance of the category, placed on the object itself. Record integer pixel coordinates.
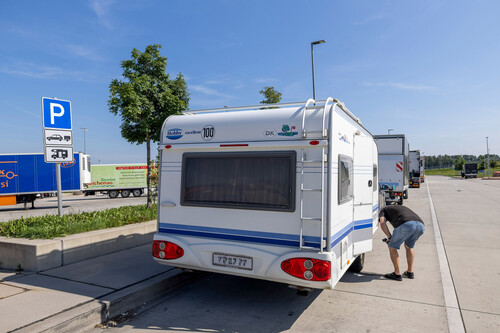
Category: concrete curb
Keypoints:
(42, 254)
(85, 317)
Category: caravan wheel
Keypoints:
(113, 194)
(137, 192)
(405, 194)
(125, 193)
(357, 265)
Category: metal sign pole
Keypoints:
(59, 191)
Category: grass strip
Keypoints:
(50, 226)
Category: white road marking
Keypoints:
(455, 320)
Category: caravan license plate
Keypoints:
(228, 260)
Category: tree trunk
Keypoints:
(148, 148)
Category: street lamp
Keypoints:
(312, 62)
(84, 140)
(488, 157)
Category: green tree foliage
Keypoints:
(145, 98)
(271, 96)
(459, 163)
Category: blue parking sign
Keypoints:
(56, 113)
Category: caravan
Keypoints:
(286, 193)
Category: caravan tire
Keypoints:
(113, 194)
(137, 192)
(400, 202)
(357, 265)
(125, 193)
(405, 194)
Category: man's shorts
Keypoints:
(408, 233)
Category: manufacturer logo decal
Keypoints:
(270, 132)
(68, 164)
(208, 132)
(287, 131)
(174, 133)
(191, 132)
(344, 138)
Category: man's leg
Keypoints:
(395, 259)
(410, 257)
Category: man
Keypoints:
(408, 227)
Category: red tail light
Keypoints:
(307, 269)
(167, 250)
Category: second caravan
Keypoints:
(288, 194)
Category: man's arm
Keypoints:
(384, 227)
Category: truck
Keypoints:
(469, 170)
(394, 169)
(287, 195)
(25, 177)
(414, 176)
(117, 179)
(422, 169)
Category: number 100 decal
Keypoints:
(208, 132)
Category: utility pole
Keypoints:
(488, 156)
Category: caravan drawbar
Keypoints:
(286, 193)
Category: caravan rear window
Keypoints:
(259, 180)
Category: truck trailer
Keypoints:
(422, 169)
(117, 179)
(394, 169)
(24, 177)
(469, 170)
(287, 195)
(415, 161)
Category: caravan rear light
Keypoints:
(167, 250)
(168, 146)
(397, 193)
(307, 268)
(314, 143)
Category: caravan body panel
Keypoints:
(242, 192)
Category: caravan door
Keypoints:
(363, 194)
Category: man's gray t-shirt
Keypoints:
(398, 215)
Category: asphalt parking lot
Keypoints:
(71, 204)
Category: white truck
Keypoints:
(288, 194)
(415, 163)
(394, 169)
(117, 179)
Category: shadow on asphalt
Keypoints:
(224, 303)
(350, 277)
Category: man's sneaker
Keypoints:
(394, 276)
(409, 275)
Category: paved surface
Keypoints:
(71, 203)
(467, 212)
(366, 302)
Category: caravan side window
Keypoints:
(375, 177)
(257, 180)
(345, 179)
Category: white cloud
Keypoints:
(400, 85)
(35, 71)
(101, 9)
(266, 80)
(372, 18)
(84, 52)
(208, 91)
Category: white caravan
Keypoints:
(394, 169)
(286, 194)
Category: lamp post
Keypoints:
(488, 156)
(84, 139)
(312, 62)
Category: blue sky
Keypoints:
(428, 69)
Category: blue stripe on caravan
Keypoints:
(257, 236)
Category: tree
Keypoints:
(146, 98)
(459, 163)
(271, 96)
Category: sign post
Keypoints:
(57, 137)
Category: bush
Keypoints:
(50, 226)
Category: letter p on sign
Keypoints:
(53, 113)
(56, 113)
